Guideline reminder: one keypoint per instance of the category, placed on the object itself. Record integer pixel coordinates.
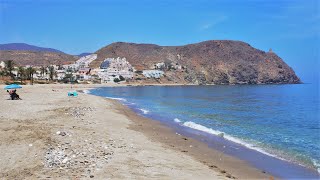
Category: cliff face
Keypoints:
(209, 62)
(36, 58)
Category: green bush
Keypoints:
(116, 80)
(122, 78)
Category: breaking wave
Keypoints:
(119, 99)
(226, 136)
(177, 120)
(144, 111)
(86, 91)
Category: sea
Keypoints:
(277, 126)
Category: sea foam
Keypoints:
(86, 91)
(144, 111)
(177, 120)
(119, 99)
(316, 164)
(199, 127)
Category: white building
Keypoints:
(83, 62)
(2, 64)
(114, 68)
(60, 74)
(161, 65)
(153, 73)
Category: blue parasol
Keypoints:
(13, 86)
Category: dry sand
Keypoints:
(50, 135)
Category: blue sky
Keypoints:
(290, 27)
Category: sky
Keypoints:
(290, 27)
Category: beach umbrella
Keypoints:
(13, 86)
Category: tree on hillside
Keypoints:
(52, 72)
(21, 73)
(9, 65)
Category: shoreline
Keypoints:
(232, 167)
(246, 154)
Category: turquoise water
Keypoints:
(278, 120)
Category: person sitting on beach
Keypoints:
(14, 95)
(10, 92)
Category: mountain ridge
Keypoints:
(25, 54)
(26, 47)
(36, 58)
(207, 62)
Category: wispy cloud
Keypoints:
(210, 24)
(206, 26)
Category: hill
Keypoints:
(36, 58)
(25, 47)
(209, 62)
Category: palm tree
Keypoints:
(30, 72)
(52, 73)
(43, 71)
(21, 73)
(9, 65)
(1, 72)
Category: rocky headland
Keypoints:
(208, 62)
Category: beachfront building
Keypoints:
(83, 74)
(60, 74)
(42, 73)
(153, 73)
(96, 71)
(84, 71)
(114, 68)
(70, 67)
(2, 64)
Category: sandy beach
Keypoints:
(50, 135)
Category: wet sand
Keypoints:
(229, 166)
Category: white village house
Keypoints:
(2, 64)
(114, 68)
(152, 73)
